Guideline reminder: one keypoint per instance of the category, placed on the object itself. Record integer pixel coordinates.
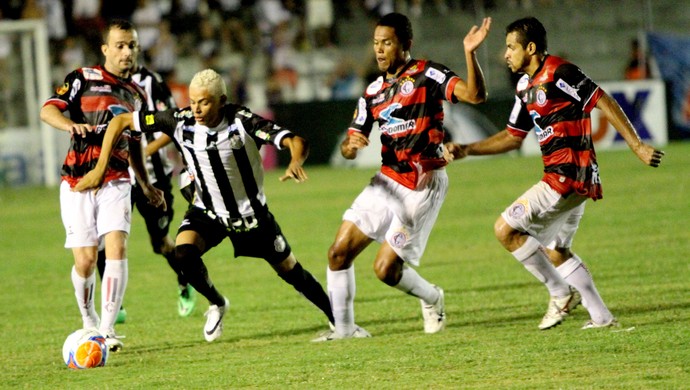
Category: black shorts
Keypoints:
(157, 220)
(265, 240)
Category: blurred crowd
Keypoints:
(209, 30)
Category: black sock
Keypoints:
(304, 282)
(100, 263)
(172, 261)
(194, 270)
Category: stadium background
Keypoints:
(304, 63)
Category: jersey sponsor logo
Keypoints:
(570, 90)
(435, 75)
(407, 87)
(361, 112)
(92, 74)
(117, 109)
(101, 88)
(62, 89)
(375, 86)
(542, 134)
(395, 125)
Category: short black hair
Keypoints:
(402, 26)
(119, 24)
(528, 30)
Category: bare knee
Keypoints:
(510, 238)
(388, 272)
(339, 257)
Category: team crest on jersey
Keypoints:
(92, 74)
(541, 97)
(435, 75)
(407, 86)
(235, 141)
(399, 239)
(62, 89)
(375, 86)
(518, 209)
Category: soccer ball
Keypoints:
(85, 348)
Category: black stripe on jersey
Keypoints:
(157, 162)
(221, 176)
(248, 180)
(205, 197)
(188, 138)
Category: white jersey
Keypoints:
(224, 161)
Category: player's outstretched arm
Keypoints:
(500, 142)
(615, 115)
(299, 150)
(473, 90)
(94, 177)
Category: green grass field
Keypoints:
(636, 242)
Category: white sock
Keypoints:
(537, 263)
(412, 283)
(341, 291)
(576, 273)
(84, 289)
(113, 288)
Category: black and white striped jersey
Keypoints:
(159, 98)
(224, 161)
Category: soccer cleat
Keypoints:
(187, 301)
(331, 335)
(214, 321)
(613, 323)
(434, 315)
(121, 316)
(114, 342)
(559, 308)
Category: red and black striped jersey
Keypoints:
(556, 102)
(95, 96)
(409, 113)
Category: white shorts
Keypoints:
(546, 215)
(387, 210)
(87, 217)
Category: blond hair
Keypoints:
(210, 80)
